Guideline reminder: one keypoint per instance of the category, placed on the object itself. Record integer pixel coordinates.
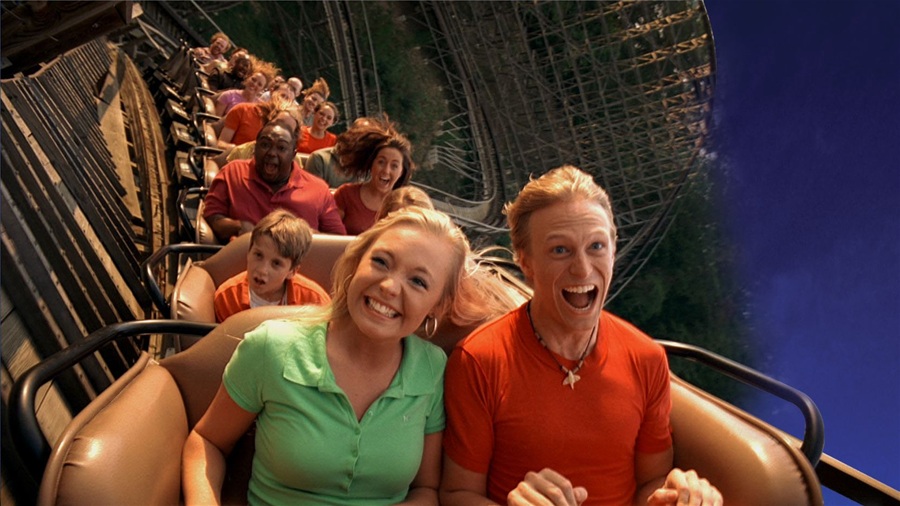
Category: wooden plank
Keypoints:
(108, 227)
(79, 130)
(52, 240)
(51, 332)
(106, 273)
(112, 126)
(37, 35)
(148, 142)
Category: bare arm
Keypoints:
(225, 137)
(220, 107)
(650, 471)
(660, 484)
(424, 487)
(461, 487)
(203, 456)
(225, 228)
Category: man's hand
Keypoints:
(546, 488)
(685, 488)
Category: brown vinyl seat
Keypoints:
(194, 292)
(203, 233)
(748, 460)
(125, 447)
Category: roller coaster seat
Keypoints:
(108, 455)
(194, 292)
(203, 232)
(749, 461)
(125, 446)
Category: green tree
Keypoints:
(687, 290)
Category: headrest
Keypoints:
(321, 257)
(193, 295)
(204, 232)
(229, 261)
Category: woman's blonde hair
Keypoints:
(267, 69)
(401, 198)
(475, 292)
(457, 302)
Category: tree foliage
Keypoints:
(687, 291)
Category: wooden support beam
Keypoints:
(37, 32)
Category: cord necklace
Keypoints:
(571, 374)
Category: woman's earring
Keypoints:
(430, 333)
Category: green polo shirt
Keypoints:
(310, 449)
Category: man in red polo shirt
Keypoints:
(245, 191)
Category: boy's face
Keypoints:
(267, 269)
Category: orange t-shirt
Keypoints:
(233, 295)
(509, 413)
(307, 143)
(246, 122)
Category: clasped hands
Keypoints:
(549, 488)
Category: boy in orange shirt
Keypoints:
(277, 244)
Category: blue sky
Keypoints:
(807, 109)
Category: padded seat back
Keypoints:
(323, 253)
(210, 170)
(203, 232)
(125, 446)
(195, 290)
(194, 293)
(749, 461)
(209, 134)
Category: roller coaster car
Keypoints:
(125, 446)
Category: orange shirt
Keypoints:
(509, 413)
(246, 122)
(234, 295)
(307, 143)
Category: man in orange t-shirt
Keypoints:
(559, 402)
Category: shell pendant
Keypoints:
(570, 379)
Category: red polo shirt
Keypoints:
(239, 193)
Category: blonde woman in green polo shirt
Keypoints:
(348, 402)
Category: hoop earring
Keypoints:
(430, 333)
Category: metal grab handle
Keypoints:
(26, 433)
(814, 433)
(148, 266)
